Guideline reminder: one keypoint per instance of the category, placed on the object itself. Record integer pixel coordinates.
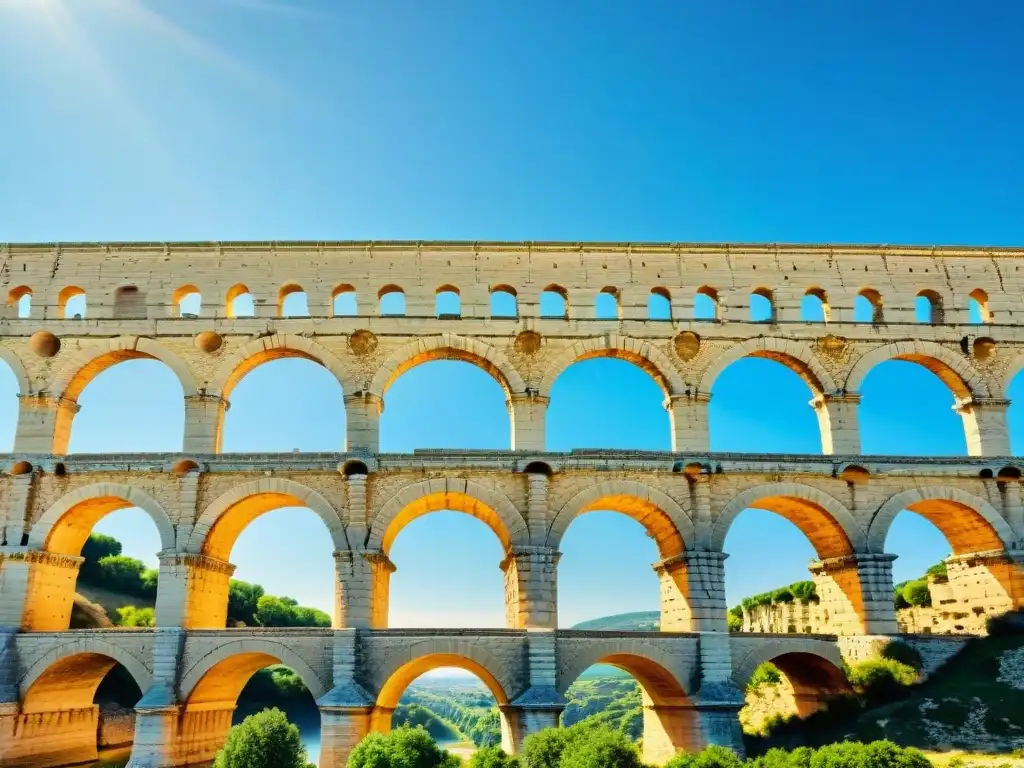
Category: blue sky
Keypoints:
(744, 121)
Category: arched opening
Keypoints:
(344, 301)
(129, 303)
(950, 575)
(504, 301)
(447, 303)
(299, 590)
(814, 308)
(467, 715)
(867, 307)
(213, 691)
(71, 303)
(760, 404)
(705, 304)
(188, 301)
(21, 297)
(607, 304)
(267, 414)
(126, 406)
(790, 684)
(435, 402)
(907, 409)
(554, 302)
(239, 525)
(762, 306)
(796, 530)
(659, 304)
(278, 686)
(1014, 414)
(593, 596)
(392, 301)
(928, 308)
(468, 591)
(638, 696)
(606, 402)
(292, 301)
(978, 308)
(455, 525)
(240, 303)
(9, 391)
(116, 584)
(84, 710)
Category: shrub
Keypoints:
(937, 570)
(285, 612)
(881, 679)
(899, 651)
(130, 616)
(242, 599)
(96, 547)
(150, 577)
(263, 740)
(898, 601)
(805, 591)
(735, 623)
(766, 674)
(600, 748)
(493, 757)
(712, 757)
(782, 595)
(121, 573)
(544, 748)
(402, 748)
(917, 593)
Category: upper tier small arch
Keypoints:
(643, 354)
(954, 370)
(448, 346)
(795, 355)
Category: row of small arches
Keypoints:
(129, 303)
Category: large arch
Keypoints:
(968, 522)
(216, 531)
(830, 526)
(491, 507)
(448, 346)
(398, 672)
(18, 369)
(798, 356)
(744, 664)
(663, 518)
(88, 363)
(954, 370)
(67, 523)
(67, 676)
(647, 662)
(220, 675)
(643, 354)
(277, 347)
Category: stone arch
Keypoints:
(1015, 367)
(18, 369)
(220, 675)
(663, 518)
(645, 661)
(67, 676)
(770, 649)
(642, 354)
(969, 523)
(66, 524)
(491, 507)
(276, 347)
(86, 364)
(227, 516)
(391, 680)
(954, 370)
(828, 524)
(798, 356)
(448, 346)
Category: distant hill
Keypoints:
(624, 622)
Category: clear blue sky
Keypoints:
(268, 119)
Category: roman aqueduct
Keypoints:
(191, 669)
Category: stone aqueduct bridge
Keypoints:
(192, 669)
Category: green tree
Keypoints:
(402, 748)
(130, 616)
(917, 593)
(149, 579)
(881, 680)
(712, 757)
(96, 547)
(493, 757)
(544, 748)
(766, 674)
(263, 740)
(242, 599)
(121, 573)
(599, 748)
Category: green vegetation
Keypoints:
(106, 569)
(130, 616)
(279, 687)
(766, 674)
(402, 748)
(494, 757)
(638, 621)
(263, 740)
(610, 701)
(467, 715)
(584, 745)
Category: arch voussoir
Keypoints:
(796, 355)
(272, 347)
(643, 354)
(966, 380)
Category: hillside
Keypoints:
(624, 622)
